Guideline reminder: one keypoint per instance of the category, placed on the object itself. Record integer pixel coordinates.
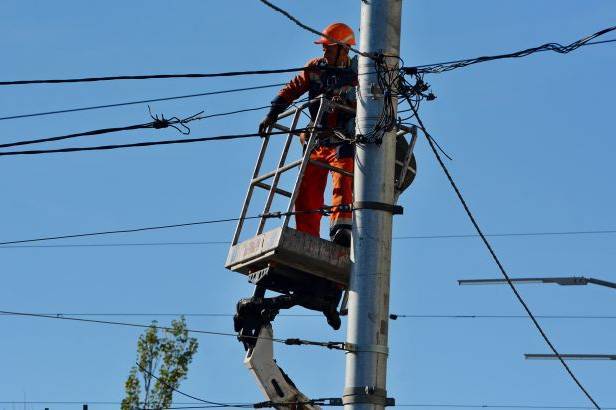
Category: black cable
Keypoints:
(179, 97)
(538, 51)
(156, 123)
(245, 405)
(396, 316)
(495, 257)
(148, 228)
(500, 406)
(107, 322)
(323, 210)
(143, 369)
(392, 316)
(143, 144)
(312, 30)
(558, 48)
(153, 76)
(501, 235)
(288, 342)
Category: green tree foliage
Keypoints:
(162, 364)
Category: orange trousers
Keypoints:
(311, 192)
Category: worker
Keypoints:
(335, 76)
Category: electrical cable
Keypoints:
(323, 210)
(195, 243)
(312, 30)
(495, 257)
(288, 341)
(143, 144)
(143, 369)
(156, 123)
(153, 76)
(251, 405)
(558, 48)
(392, 316)
(179, 97)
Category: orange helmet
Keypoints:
(337, 31)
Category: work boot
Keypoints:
(342, 237)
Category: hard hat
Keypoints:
(337, 31)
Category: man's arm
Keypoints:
(289, 93)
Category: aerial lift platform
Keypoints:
(305, 270)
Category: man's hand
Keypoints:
(265, 124)
(303, 138)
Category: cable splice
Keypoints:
(156, 123)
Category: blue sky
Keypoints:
(532, 141)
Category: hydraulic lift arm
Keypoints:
(272, 380)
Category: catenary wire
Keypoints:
(179, 97)
(494, 256)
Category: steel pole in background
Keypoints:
(368, 303)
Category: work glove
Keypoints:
(265, 124)
(278, 106)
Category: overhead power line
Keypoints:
(555, 47)
(397, 316)
(143, 369)
(129, 230)
(156, 123)
(493, 254)
(142, 144)
(243, 405)
(198, 243)
(153, 76)
(288, 341)
(122, 104)
(3, 245)
(392, 316)
(311, 29)
(323, 210)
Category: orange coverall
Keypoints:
(338, 84)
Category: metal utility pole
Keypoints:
(368, 303)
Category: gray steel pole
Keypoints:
(368, 303)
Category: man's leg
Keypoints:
(342, 195)
(310, 196)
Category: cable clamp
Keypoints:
(380, 206)
(356, 348)
(367, 394)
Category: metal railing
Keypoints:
(258, 179)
